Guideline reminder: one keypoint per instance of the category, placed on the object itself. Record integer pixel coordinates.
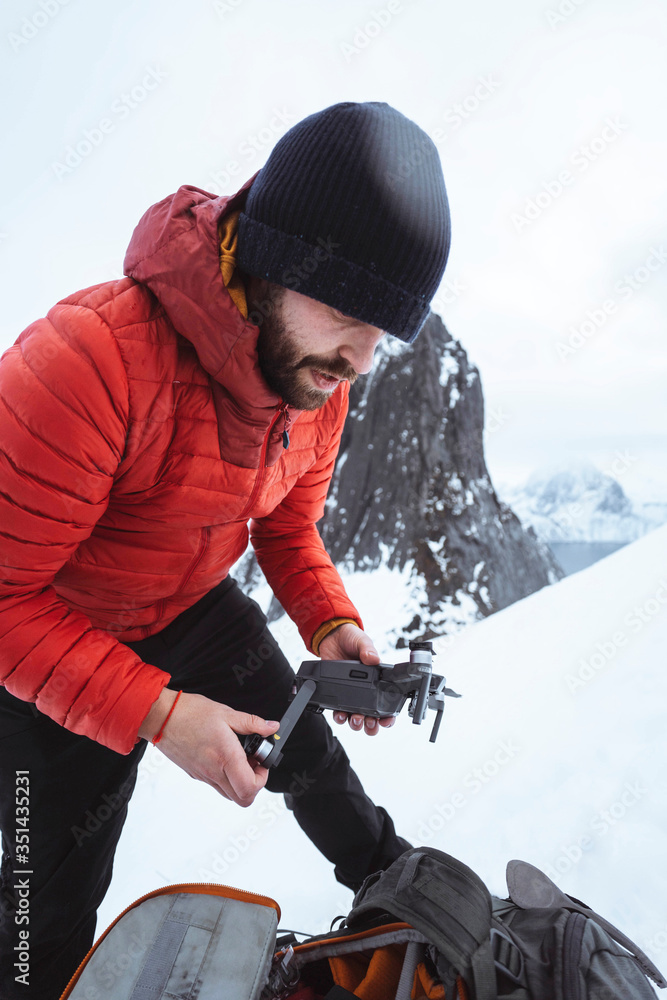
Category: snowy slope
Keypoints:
(556, 754)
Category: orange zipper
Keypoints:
(203, 888)
(351, 936)
(259, 479)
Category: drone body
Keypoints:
(349, 686)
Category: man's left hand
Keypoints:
(348, 642)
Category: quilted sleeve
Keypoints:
(291, 553)
(63, 422)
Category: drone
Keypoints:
(379, 691)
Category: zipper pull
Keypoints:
(286, 426)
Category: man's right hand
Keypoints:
(201, 738)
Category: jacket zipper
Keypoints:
(259, 479)
(286, 425)
(196, 887)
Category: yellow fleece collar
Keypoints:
(228, 239)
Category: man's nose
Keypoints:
(360, 349)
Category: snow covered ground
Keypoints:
(555, 754)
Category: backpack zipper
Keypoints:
(259, 479)
(194, 887)
(572, 940)
(334, 937)
(289, 960)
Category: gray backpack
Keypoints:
(425, 924)
(537, 945)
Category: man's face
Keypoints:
(305, 348)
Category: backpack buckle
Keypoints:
(283, 977)
(507, 957)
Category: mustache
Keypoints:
(337, 367)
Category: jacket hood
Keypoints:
(174, 251)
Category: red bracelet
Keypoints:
(156, 739)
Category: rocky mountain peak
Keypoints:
(411, 489)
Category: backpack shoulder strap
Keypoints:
(444, 900)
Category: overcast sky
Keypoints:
(549, 118)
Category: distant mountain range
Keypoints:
(579, 503)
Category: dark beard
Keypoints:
(284, 369)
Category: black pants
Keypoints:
(79, 790)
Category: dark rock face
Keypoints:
(411, 488)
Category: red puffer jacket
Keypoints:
(137, 439)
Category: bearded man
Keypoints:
(148, 427)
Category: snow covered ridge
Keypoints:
(577, 502)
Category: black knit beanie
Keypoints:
(351, 209)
